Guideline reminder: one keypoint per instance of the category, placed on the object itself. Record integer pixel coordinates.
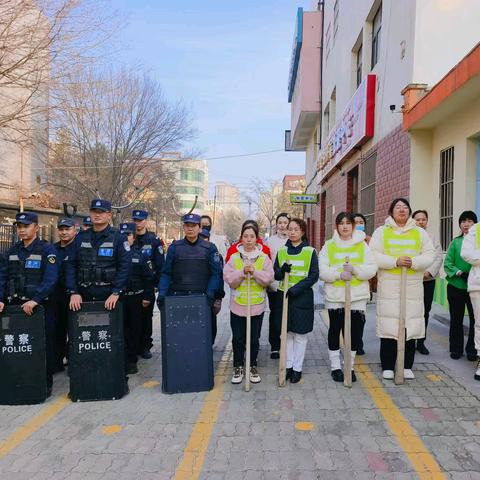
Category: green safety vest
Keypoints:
(337, 256)
(406, 244)
(300, 265)
(257, 292)
(477, 235)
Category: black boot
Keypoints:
(288, 375)
(337, 375)
(421, 348)
(296, 376)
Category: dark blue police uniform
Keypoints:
(139, 287)
(99, 263)
(61, 299)
(152, 249)
(31, 273)
(191, 268)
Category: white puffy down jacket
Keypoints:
(334, 296)
(388, 289)
(471, 254)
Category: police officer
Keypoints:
(139, 295)
(87, 223)
(66, 232)
(152, 248)
(28, 278)
(192, 265)
(100, 262)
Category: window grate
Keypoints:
(446, 196)
(367, 191)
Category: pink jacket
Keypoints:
(235, 277)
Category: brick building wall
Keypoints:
(393, 172)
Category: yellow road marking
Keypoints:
(111, 429)
(422, 460)
(304, 426)
(30, 427)
(434, 378)
(151, 384)
(191, 464)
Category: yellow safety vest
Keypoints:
(477, 235)
(257, 292)
(337, 256)
(300, 265)
(405, 244)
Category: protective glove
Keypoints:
(346, 276)
(217, 306)
(286, 268)
(348, 267)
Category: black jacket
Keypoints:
(301, 308)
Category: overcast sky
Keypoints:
(229, 61)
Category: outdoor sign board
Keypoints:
(304, 198)
(354, 127)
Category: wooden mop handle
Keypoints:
(248, 335)
(400, 362)
(347, 335)
(282, 364)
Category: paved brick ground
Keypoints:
(256, 435)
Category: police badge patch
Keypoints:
(216, 257)
(160, 250)
(51, 259)
(126, 246)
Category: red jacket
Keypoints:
(234, 249)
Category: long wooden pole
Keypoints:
(282, 364)
(347, 336)
(248, 335)
(400, 363)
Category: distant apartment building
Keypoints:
(293, 183)
(227, 196)
(191, 179)
(357, 65)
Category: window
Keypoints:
(189, 190)
(326, 122)
(192, 175)
(359, 66)
(446, 197)
(352, 190)
(335, 19)
(367, 191)
(376, 29)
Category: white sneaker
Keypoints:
(388, 374)
(254, 376)
(408, 374)
(237, 376)
(477, 373)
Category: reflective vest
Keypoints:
(191, 266)
(24, 277)
(337, 256)
(406, 244)
(96, 265)
(257, 292)
(300, 265)
(477, 235)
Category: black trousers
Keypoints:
(214, 327)
(388, 353)
(61, 306)
(337, 321)
(146, 341)
(132, 325)
(275, 319)
(239, 336)
(428, 292)
(362, 328)
(457, 300)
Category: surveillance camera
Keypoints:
(392, 108)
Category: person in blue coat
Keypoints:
(192, 266)
(66, 232)
(28, 276)
(139, 295)
(100, 262)
(152, 249)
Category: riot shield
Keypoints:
(96, 353)
(23, 374)
(187, 360)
